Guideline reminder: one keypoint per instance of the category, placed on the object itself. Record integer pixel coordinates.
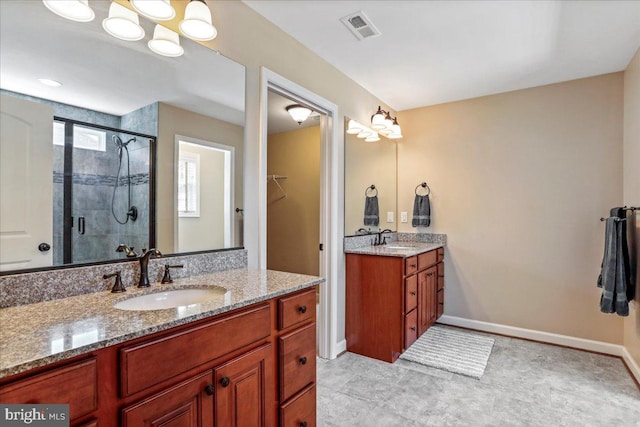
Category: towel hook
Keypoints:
(423, 185)
(371, 188)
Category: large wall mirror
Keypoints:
(370, 185)
(119, 146)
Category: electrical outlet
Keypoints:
(404, 217)
(389, 216)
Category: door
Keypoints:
(244, 390)
(26, 184)
(427, 287)
(188, 404)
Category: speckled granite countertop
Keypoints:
(34, 335)
(392, 249)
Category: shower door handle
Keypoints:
(81, 225)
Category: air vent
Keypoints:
(360, 25)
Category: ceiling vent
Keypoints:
(360, 25)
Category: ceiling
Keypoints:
(431, 52)
(105, 74)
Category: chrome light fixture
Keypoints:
(386, 125)
(165, 42)
(197, 22)
(75, 10)
(123, 23)
(298, 113)
(160, 10)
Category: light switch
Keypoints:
(404, 217)
(389, 216)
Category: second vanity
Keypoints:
(246, 357)
(394, 293)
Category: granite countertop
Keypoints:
(34, 335)
(391, 249)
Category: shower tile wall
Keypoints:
(143, 120)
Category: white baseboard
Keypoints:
(341, 347)
(631, 364)
(531, 334)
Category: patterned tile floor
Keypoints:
(525, 384)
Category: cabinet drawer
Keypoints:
(75, 385)
(297, 360)
(296, 309)
(427, 259)
(440, 254)
(152, 362)
(301, 410)
(410, 328)
(410, 265)
(410, 293)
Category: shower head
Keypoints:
(118, 141)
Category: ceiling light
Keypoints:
(123, 23)
(49, 82)
(298, 113)
(75, 10)
(354, 127)
(160, 10)
(165, 42)
(197, 22)
(372, 138)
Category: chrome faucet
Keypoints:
(144, 266)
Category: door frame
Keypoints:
(330, 196)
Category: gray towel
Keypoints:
(421, 211)
(614, 277)
(371, 211)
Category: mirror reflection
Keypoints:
(367, 165)
(105, 142)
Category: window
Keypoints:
(58, 133)
(189, 184)
(89, 139)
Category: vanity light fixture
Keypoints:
(354, 127)
(165, 42)
(75, 10)
(49, 82)
(298, 113)
(160, 10)
(123, 23)
(386, 125)
(197, 22)
(372, 138)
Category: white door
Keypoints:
(26, 183)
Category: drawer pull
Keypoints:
(413, 328)
(303, 424)
(413, 293)
(413, 265)
(430, 274)
(302, 360)
(225, 381)
(302, 309)
(209, 389)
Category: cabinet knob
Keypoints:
(302, 360)
(44, 247)
(303, 424)
(413, 265)
(413, 293)
(209, 389)
(225, 381)
(302, 309)
(413, 328)
(430, 274)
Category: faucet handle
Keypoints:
(167, 272)
(117, 286)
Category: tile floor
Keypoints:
(525, 384)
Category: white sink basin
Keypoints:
(171, 299)
(394, 246)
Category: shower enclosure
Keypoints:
(102, 187)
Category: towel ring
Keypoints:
(371, 188)
(423, 185)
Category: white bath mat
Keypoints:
(452, 350)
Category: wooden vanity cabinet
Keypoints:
(241, 368)
(391, 301)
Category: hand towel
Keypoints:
(371, 211)
(421, 211)
(614, 277)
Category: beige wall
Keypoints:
(293, 223)
(207, 230)
(171, 121)
(369, 163)
(519, 181)
(632, 192)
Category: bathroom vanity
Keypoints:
(245, 358)
(394, 293)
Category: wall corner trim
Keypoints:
(631, 364)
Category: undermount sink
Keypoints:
(171, 299)
(396, 246)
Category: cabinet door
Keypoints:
(427, 287)
(244, 390)
(188, 404)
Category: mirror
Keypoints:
(143, 149)
(369, 164)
